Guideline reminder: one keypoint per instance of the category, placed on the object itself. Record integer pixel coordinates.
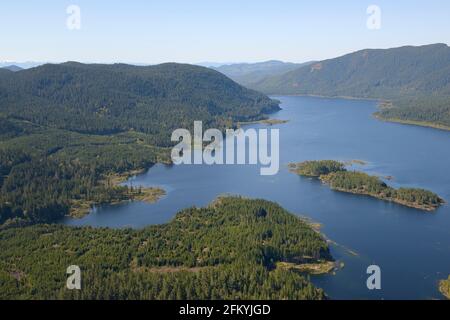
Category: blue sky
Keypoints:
(224, 31)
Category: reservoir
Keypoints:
(412, 247)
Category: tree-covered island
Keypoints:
(335, 174)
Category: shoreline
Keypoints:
(393, 200)
(423, 124)
(82, 208)
(328, 97)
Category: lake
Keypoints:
(411, 247)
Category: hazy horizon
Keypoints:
(31, 64)
(143, 32)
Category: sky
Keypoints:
(150, 31)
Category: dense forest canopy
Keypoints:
(105, 99)
(228, 250)
(434, 110)
(415, 79)
(65, 128)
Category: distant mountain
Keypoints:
(415, 79)
(249, 74)
(22, 65)
(210, 64)
(13, 68)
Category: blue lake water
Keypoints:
(411, 247)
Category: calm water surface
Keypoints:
(411, 247)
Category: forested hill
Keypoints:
(229, 250)
(104, 99)
(415, 79)
(67, 131)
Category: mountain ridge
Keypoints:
(13, 68)
(346, 72)
(416, 80)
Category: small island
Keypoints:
(444, 287)
(335, 174)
